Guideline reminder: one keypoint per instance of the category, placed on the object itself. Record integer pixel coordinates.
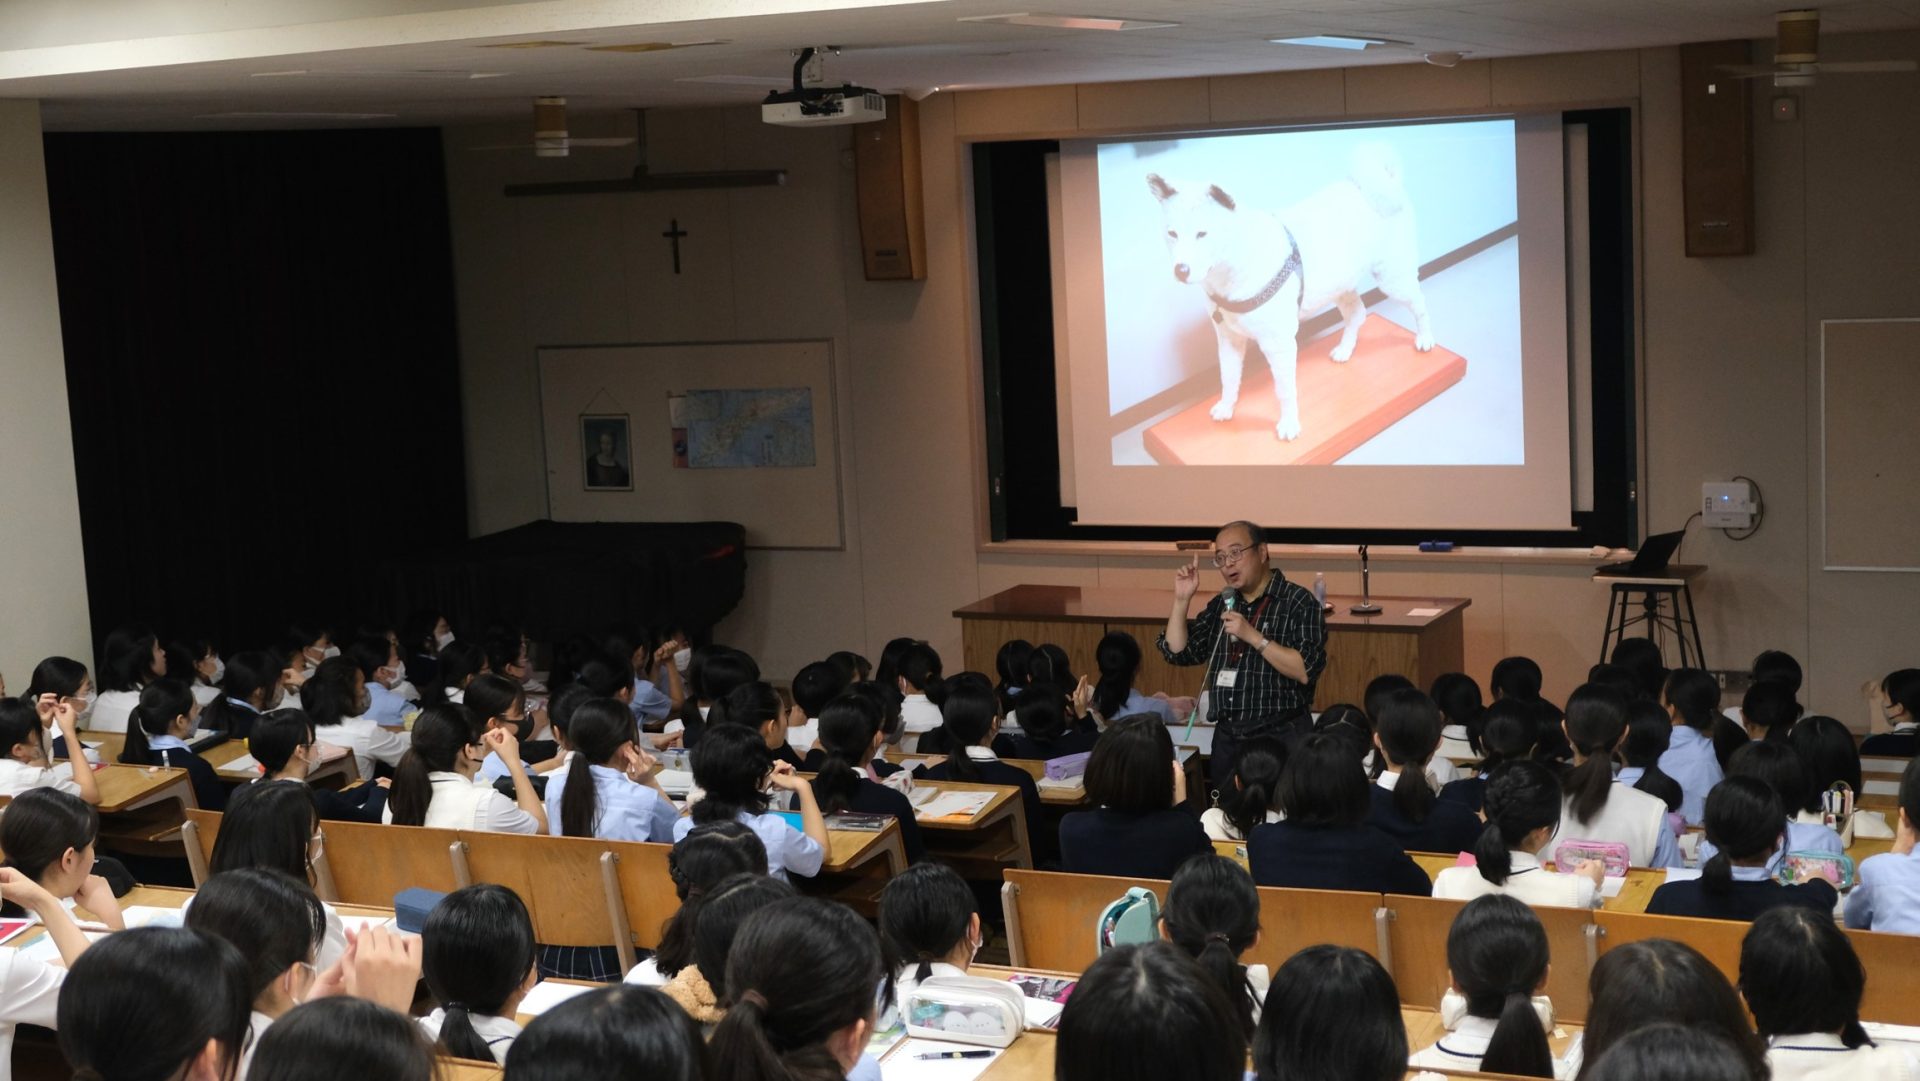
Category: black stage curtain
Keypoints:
(263, 371)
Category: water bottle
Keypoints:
(1320, 588)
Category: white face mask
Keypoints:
(681, 659)
(86, 708)
(442, 641)
(219, 672)
(330, 652)
(399, 674)
(1453, 1009)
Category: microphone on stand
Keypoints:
(1366, 607)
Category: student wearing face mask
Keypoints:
(382, 671)
(929, 927)
(69, 682)
(335, 697)
(313, 643)
(197, 660)
(253, 684)
(157, 734)
(24, 764)
(434, 786)
(424, 634)
(284, 744)
(133, 659)
(277, 924)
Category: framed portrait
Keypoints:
(606, 452)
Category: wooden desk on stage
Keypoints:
(1358, 647)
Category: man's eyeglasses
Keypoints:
(1230, 556)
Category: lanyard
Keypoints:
(1238, 649)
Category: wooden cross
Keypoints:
(674, 233)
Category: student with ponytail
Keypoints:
(758, 706)
(1213, 913)
(923, 692)
(1600, 808)
(1405, 802)
(1692, 699)
(970, 723)
(1507, 734)
(1649, 735)
(157, 732)
(252, 685)
(1745, 822)
(712, 674)
(1497, 962)
(701, 988)
(698, 863)
(1114, 697)
(801, 977)
(477, 956)
(1252, 795)
(850, 739)
(1803, 984)
(1777, 764)
(608, 790)
(929, 926)
(1048, 727)
(1523, 807)
(1010, 664)
(1458, 697)
(434, 785)
(733, 769)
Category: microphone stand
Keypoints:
(1366, 607)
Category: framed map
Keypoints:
(750, 429)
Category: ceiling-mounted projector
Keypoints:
(809, 104)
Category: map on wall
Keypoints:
(750, 429)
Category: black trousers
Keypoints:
(1228, 738)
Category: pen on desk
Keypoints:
(955, 1054)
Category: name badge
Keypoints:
(1227, 677)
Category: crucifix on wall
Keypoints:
(674, 233)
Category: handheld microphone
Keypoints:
(1229, 597)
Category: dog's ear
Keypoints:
(1220, 197)
(1160, 188)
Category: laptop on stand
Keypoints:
(1650, 561)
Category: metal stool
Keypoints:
(1666, 604)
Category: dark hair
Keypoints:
(1641, 659)
(1770, 706)
(1653, 980)
(330, 694)
(1497, 956)
(1256, 535)
(751, 705)
(371, 653)
(1902, 688)
(1144, 1013)
(1010, 664)
(416, 633)
(267, 824)
(1615, 678)
(1779, 765)
(1694, 694)
(1257, 768)
(1521, 796)
(1669, 1052)
(1910, 791)
(1350, 726)
(1379, 690)
(1050, 664)
(925, 911)
(160, 702)
(39, 826)
(1042, 713)
(1799, 973)
(440, 734)
(817, 684)
(853, 666)
(1508, 732)
(1826, 748)
(274, 921)
(1744, 820)
(1322, 784)
(847, 727)
(459, 662)
(730, 764)
(1118, 657)
(967, 714)
(919, 665)
(129, 659)
(887, 700)
(1458, 697)
(1776, 666)
(1516, 677)
(811, 967)
(1408, 729)
(599, 729)
(493, 696)
(56, 675)
(614, 1031)
(1213, 913)
(564, 701)
(504, 647)
(708, 855)
(140, 1005)
(1649, 734)
(277, 735)
(888, 670)
(1131, 768)
(1331, 1012)
(1596, 719)
(20, 723)
(476, 950)
(335, 1037)
(251, 674)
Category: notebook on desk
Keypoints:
(1649, 562)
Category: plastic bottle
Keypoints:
(1320, 588)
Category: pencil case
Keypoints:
(1068, 765)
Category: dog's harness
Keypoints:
(1288, 269)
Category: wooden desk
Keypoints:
(1035, 768)
(1633, 896)
(997, 834)
(337, 772)
(1075, 618)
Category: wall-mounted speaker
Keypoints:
(1716, 149)
(886, 169)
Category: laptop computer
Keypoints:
(1650, 561)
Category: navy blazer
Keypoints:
(874, 798)
(1469, 792)
(1890, 745)
(1742, 900)
(1449, 827)
(1130, 844)
(208, 790)
(1071, 742)
(1333, 858)
(361, 803)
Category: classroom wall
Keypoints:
(43, 586)
(1730, 349)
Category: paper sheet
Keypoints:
(547, 994)
(152, 916)
(246, 764)
(953, 805)
(1424, 612)
(901, 1065)
(1041, 1013)
(361, 923)
(1610, 887)
(1682, 874)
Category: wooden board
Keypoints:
(1342, 405)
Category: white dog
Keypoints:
(1263, 271)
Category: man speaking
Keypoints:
(1261, 670)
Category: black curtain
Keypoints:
(262, 368)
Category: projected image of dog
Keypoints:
(1263, 271)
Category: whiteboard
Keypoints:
(781, 506)
(1870, 453)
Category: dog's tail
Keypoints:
(1376, 170)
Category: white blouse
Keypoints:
(1820, 1056)
(461, 804)
(111, 710)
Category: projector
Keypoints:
(817, 106)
